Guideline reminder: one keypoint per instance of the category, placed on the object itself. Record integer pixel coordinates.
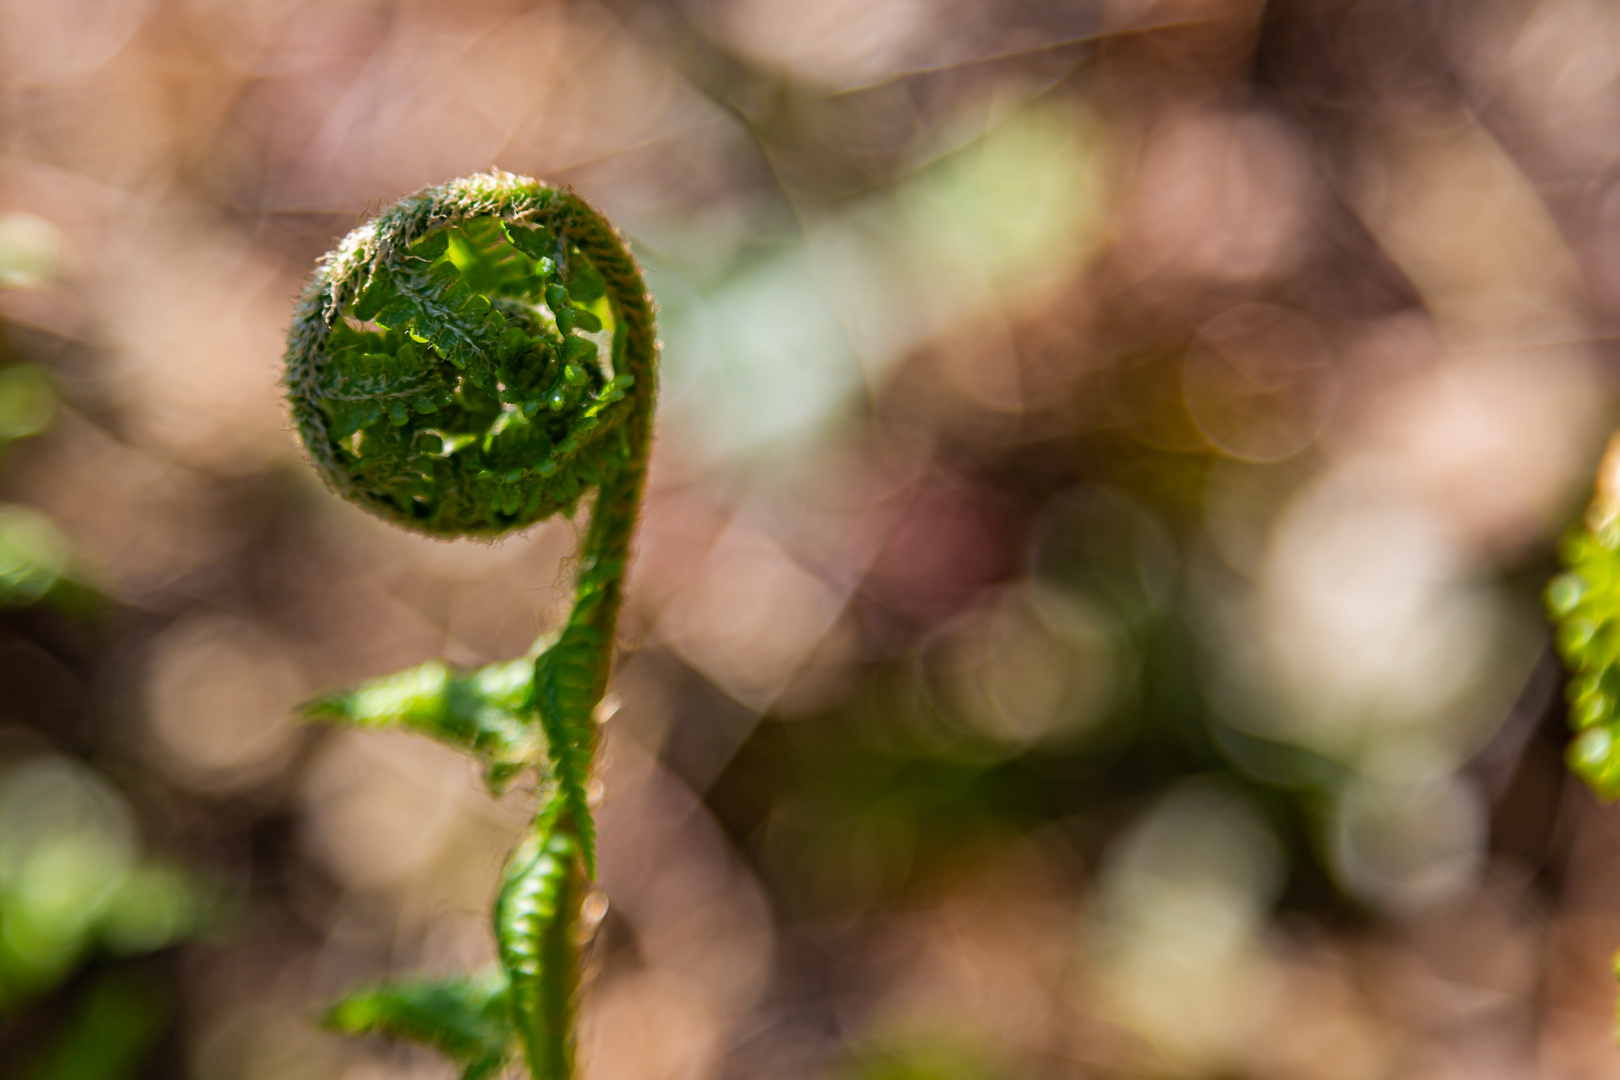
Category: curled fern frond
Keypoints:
(463, 365)
(1584, 603)
(479, 357)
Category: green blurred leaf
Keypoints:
(70, 878)
(109, 1035)
(67, 844)
(33, 555)
(30, 250)
(155, 907)
(939, 1061)
(27, 401)
(1584, 604)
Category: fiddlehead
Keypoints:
(476, 359)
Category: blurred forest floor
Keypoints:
(1086, 619)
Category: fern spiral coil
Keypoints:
(441, 367)
(477, 358)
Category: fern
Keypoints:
(477, 358)
(485, 713)
(1584, 603)
(535, 916)
(468, 1020)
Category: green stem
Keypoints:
(571, 676)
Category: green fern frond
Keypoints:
(535, 916)
(484, 712)
(381, 375)
(480, 357)
(466, 1019)
(489, 286)
(1584, 603)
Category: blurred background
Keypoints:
(1086, 616)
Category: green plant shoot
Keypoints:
(476, 359)
(1584, 603)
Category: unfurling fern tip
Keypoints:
(480, 357)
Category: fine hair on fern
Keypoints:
(477, 358)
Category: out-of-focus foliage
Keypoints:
(33, 553)
(1585, 602)
(1087, 620)
(74, 884)
(71, 879)
(108, 1036)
